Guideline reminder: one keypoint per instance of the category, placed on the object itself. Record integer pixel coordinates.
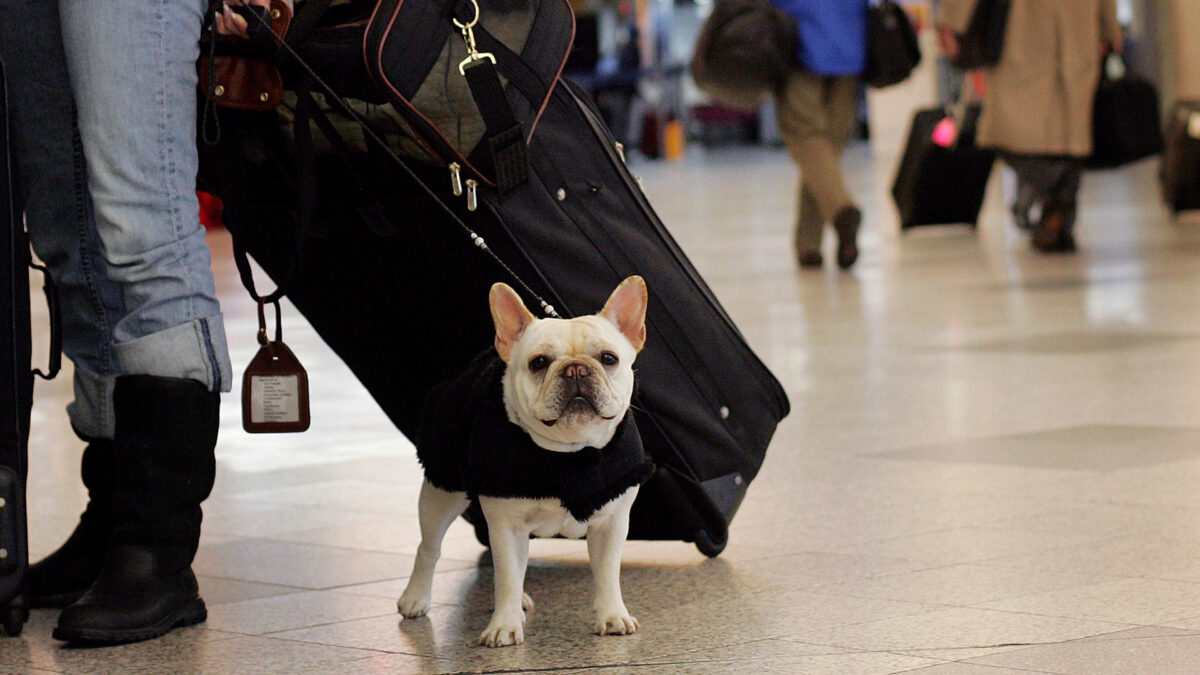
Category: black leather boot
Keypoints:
(164, 468)
(60, 578)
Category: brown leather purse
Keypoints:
(232, 76)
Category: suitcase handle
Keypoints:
(55, 361)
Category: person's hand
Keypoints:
(229, 23)
(948, 42)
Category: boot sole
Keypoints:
(193, 612)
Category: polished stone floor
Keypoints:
(992, 465)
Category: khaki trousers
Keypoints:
(815, 116)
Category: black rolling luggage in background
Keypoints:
(938, 185)
(1180, 169)
(392, 277)
(16, 390)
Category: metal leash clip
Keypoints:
(473, 53)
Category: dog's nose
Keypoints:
(575, 370)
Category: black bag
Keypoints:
(744, 52)
(1180, 169)
(1126, 123)
(390, 245)
(983, 42)
(941, 185)
(892, 48)
(16, 391)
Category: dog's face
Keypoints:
(569, 381)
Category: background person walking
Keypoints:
(1037, 110)
(816, 114)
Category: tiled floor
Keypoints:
(992, 465)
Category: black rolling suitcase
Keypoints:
(938, 185)
(391, 274)
(1179, 172)
(16, 390)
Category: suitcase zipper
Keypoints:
(472, 194)
(456, 186)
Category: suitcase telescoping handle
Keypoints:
(55, 360)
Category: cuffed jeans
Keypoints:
(120, 234)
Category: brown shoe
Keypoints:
(1053, 231)
(810, 259)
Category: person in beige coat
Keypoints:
(1037, 108)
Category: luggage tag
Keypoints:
(275, 385)
(945, 134)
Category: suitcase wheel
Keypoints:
(709, 547)
(14, 620)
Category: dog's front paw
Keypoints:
(413, 604)
(504, 631)
(616, 623)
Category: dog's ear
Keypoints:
(626, 308)
(510, 316)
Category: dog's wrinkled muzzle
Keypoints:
(577, 389)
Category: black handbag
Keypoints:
(744, 52)
(892, 48)
(471, 78)
(1126, 123)
(467, 79)
(982, 43)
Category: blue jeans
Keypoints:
(121, 234)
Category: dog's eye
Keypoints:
(538, 363)
(609, 359)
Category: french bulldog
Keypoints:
(539, 431)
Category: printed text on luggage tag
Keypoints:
(274, 387)
(275, 392)
(274, 398)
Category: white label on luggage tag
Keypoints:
(274, 398)
(1194, 125)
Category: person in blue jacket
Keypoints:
(816, 113)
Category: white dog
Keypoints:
(543, 438)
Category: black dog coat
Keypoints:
(467, 444)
